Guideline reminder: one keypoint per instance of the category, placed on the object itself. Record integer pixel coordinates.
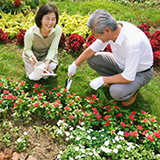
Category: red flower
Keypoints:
(98, 116)
(107, 123)
(88, 97)
(4, 37)
(145, 120)
(119, 115)
(59, 94)
(131, 117)
(85, 114)
(90, 119)
(123, 124)
(15, 104)
(36, 85)
(126, 134)
(105, 117)
(150, 137)
(45, 103)
(17, 3)
(49, 111)
(143, 112)
(36, 104)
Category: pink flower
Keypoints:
(67, 108)
(0, 101)
(49, 111)
(90, 119)
(71, 116)
(45, 103)
(144, 132)
(131, 117)
(145, 120)
(88, 97)
(139, 127)
(15, 104)
(59, 94)
(157, 134)
(105, 117)
(126, 134)
(59, 86)
(143, 112)
(152, 119)
(91, 102)
(85, 114)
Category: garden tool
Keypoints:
(68, 82)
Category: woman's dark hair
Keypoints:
(43, 10)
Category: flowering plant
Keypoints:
(75, 42)
(20, 37)
(3, 36)
(95, 130)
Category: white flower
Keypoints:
(106, 143)
(82, 123)
(119, 146)
(67, 134)
(90, 153)
(71, 129)
(59, 122)
(115, 150)
(116, 138)
(77, 148)
(60, 152)
(95, 153)
(78, 157)
(59, 156)
(71, 136)
(1, 110)
(83, 155)
(67, 139)
(78, 138)
(81, 146)
(102, 135)
(59, 131)
(25, 133)
(113, 141)
(88, 137)
(82, 150)
(128, 148)
(88, 131)
(94, 138)
(19, 140)
(70, 158)
(121, 138)
(91, 130)
(10, 123)
(120, 133)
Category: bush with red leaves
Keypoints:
(17, 3)
(62, 40)
(75, 42)
(20, 37)
(3, 36)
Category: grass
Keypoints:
(12, 66)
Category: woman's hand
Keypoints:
(33, 60)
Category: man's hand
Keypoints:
(72, 69)
(33, 60)
(96, 83)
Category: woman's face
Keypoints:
(48, 21)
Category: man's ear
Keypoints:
(107, 29)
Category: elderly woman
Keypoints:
(41, 40)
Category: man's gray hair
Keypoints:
(100, 19)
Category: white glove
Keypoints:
(96, 83)
(72, 69)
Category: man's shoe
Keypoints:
(131, 100)
(107, 85)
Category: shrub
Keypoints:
(20, 37)
(3, 36)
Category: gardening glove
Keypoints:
(72, 69)
(96, 83)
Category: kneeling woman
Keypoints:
(41, 41)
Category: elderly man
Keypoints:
(125, 70)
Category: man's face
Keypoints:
(104, 37)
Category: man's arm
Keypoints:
(86, 54)
(115, 79)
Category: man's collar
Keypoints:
(119, 39)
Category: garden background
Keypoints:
(45, 139)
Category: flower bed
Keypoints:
(89, 129)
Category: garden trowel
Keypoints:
(68, 82)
